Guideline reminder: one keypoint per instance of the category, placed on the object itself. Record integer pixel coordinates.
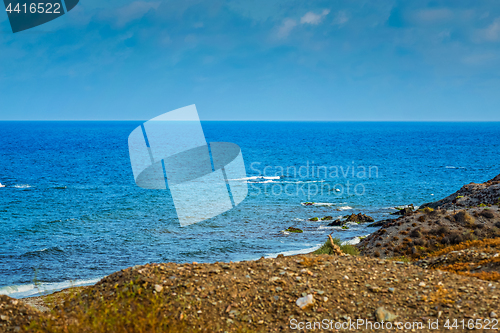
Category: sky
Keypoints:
(342, 60)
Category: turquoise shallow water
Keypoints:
(71, 213)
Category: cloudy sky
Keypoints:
(257, 60)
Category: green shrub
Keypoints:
(327, 248)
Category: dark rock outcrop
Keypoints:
(380, 223)
(360, 218)
(470, 195)
(336, 223)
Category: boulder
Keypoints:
(360, 218)
(404, 211)
(336, 223)
(292, 229)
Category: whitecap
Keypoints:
(257, 177)
(22, 186)
(318, 204)
(31, 290)
(354, 241)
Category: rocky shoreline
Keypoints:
(438, 263)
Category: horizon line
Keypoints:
(273, 120)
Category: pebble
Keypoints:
(158, 288)
(305, 302)
(384, 315)
(493, 315)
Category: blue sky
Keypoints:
(257, 60)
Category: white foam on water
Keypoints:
(354, 241)
(22, 186)
(257, 177)
(294, 252)
(345, 208)
(31, 290)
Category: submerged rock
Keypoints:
(336, 223)
(292, 229)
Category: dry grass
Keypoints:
(480, 244)
(133, 308)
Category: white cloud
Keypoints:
(311, 18)
(492, 32)
(285, 29)
(433, 15)
(341, 18)
(134, 11)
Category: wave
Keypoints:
(257, 177)
(354, 241)
(44, 251)
(22, 186)
(294, 252)
(318, 203)
(345, 208)
(43, 288)
(454, 167)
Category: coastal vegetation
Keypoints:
(440, 261)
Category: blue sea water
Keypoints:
(70, 212)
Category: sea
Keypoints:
(71, 213)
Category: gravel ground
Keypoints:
(261, 296)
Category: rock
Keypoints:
(384, 315)
(464, 218)
(470, 195)
(487, 214)
(380, 223)
(158, 288)
(359, 218)
(336, 223)
(327, 218)
(4, 318)
(404, 211)
(305, 302)
(292, 229)
(493, 315)
(314, 219)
